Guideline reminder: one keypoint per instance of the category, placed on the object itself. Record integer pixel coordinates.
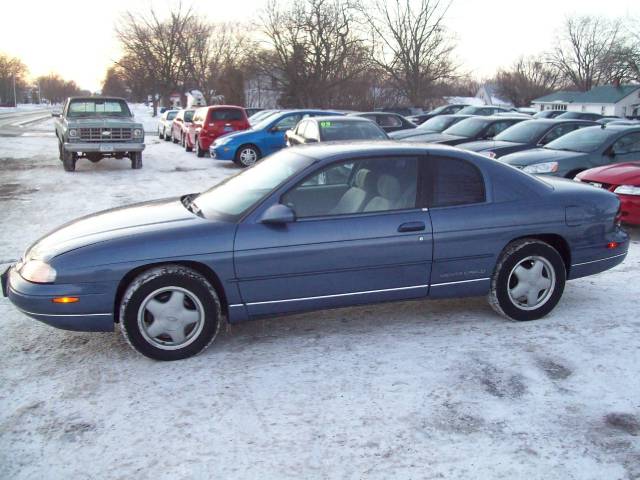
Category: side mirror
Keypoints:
(278, 214)
(273, 129)
(610, 152)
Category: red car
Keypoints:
(180, 126)
(624, 180)
(212, 122)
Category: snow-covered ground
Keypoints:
(144, 115)
(424, 389)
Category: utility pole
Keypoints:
(15, 99)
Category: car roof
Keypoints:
(340, 118)
(224, 106)
(558, 121)
(96, 97)
(355, 148)
(359, 114)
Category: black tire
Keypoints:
(161, 135)
(136, 160)
(167, 138)
(174, 139)
(199, 151)
(526, 253)
(166, 277)
(60, 149)
(68, 161)
(240, 157)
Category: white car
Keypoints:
(165, 123)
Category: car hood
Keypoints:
(110, 224)
(433, 138)
(539, 155)
(412, 132)
(484, 145)
(616, 174)
(230, 136)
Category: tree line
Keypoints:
(350, 54)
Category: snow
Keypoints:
(423, 389)
(144, 115)
(24, 107)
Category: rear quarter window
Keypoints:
(454, 181)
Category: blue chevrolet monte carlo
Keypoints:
(315, 227)
(264, 138)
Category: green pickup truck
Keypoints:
(98, 127)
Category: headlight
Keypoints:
(37, 271)
(547, 167)
(627, 190)
(137, 132)
(73, 132)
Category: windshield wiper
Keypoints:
(187, 201)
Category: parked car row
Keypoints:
(561, 146)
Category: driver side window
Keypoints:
(287, 123)
(627, 144)
(360, 186)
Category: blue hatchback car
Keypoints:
(320, 226)
(264, 138)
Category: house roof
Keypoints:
(607, 94)
(602, 94)
(561, 96)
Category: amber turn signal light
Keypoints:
(65, 299)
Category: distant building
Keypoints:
(609, 100)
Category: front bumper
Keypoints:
(222, 152)
(93, 313)
(630, 209)
(97, 147)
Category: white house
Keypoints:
(608, 100)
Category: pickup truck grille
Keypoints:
(103, 135)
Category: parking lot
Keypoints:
(422, 389)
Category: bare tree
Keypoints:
(411, 44)
(12, 78)
(588, 52)
(527, 79)
(56, 89)
(115, 84)
(313, 50)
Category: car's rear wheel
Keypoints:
(187, 147)
(167, 137)
(170, 312)
(161, 134)
(199, 150)
(528, 280)
(68, 161)
(247, 155)
(173, 138)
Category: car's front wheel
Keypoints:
(161, 134)
(170, 312)
(528, 280)
(247, 155)
(136, 160)
(199, 151)
(68, 161)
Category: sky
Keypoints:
(76, 39)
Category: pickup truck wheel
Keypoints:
(199, 150)
(136, 160)
(528, 280)
(68, 161)
(170, 312)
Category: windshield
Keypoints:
(528, 131)
(469, 127)
(468, 111)
(188, 115)
(350, 130)
(437, 124)
(90, 107)
(266, 121)
(238, 193)
(584, 140)
(439, 109)
(171, 115)
(258, 117)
